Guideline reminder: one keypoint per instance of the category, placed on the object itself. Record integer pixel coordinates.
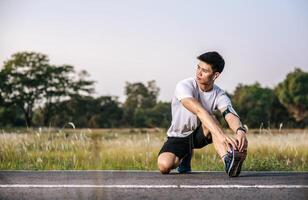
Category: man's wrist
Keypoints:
(241, 130)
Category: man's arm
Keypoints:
(207, 120)
(234, 124)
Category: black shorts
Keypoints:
(182, 146)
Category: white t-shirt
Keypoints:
(185, 122)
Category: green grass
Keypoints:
(37, 149)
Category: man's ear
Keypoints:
(216, 75)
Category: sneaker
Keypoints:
(232, 160)
(243, 157)
(184, 166)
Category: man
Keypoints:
(194, 125)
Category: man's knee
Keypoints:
(164, 166)
(166, 162)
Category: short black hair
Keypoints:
(214, 59)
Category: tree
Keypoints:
(61, 83)
(86, 111)
(257, 105)
(253, 104)
(111, 113)
(28, 80)
(139, 97)
(280, 115)
(11, 116)
(21, 81)
(293, 94)
(159, 115)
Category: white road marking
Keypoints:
(86, 186)
(243, 186)
(157, 186)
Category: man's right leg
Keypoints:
(232, 160)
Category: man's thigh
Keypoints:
(180, 147)
(201, 137)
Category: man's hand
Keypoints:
(228, 142)
(241, 140)
(209, 122)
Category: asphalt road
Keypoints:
(151, 185)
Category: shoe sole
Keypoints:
(236, 160)
(243, 157)
(186, 172)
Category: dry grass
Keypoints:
(138, 148)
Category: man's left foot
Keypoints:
(184, 166)
(232, 160)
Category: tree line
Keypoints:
(34, 92)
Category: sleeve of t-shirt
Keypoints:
(183, 90)
(223, 101)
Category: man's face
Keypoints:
(205, 74)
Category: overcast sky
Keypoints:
(118, 41)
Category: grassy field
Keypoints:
(51, 149)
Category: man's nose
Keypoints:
(198, 72)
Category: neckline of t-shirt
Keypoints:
(205, 92)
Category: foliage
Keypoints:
(22, 81)
(61, 83)
(11, 116)
(259, 107)
(86, 111)
(28, 80)
(34, 92)
(140, 97)
(293, 94)
(157, 116)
